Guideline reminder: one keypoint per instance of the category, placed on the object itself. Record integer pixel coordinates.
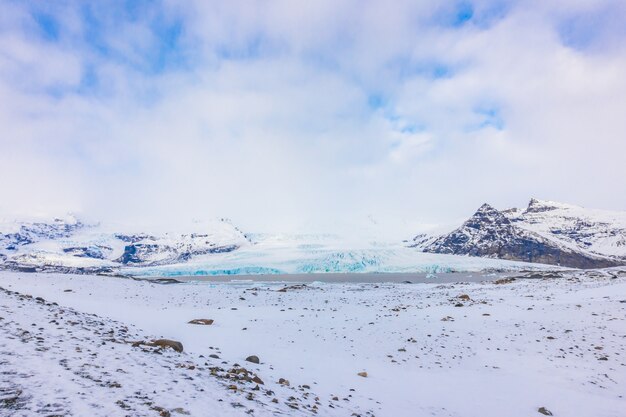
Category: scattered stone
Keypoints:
(293, 287)
(504, 281)
(464, 297)
(204, 322)
(167, 343)
(544, 411)
(253, 359)
(162, 411)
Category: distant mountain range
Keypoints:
(69, 245)
(544, 232)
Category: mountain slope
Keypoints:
(71, 246)
(545, 232)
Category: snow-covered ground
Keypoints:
(480, 349)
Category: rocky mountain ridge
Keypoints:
(545, 232)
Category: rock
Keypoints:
(258, 380)
(204, 322)
(544, 411)
(504, 281)
(162, 411)
(362, 374)
(283, 381)
(464, 297)
(253, 359)
(166, 343)
(214, 356)
(293, 287)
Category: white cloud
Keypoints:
(266, 116)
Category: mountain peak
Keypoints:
(485, 208)
(540, 206)
(485, 215)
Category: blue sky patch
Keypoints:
(491, 117)
(48, 25)
(464, 13)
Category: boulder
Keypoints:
(544, 411)
(203, 322)
(167, 343)
(253, 359)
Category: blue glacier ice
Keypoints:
(302, 254)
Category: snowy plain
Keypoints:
(455, 349)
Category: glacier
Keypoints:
(302, 254)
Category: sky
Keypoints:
(300, 116)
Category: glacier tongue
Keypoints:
(299, 254)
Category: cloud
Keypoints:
(310, 115)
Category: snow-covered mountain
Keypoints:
(16, 234)
(67, 244)
(545, 232)
(212, 248)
